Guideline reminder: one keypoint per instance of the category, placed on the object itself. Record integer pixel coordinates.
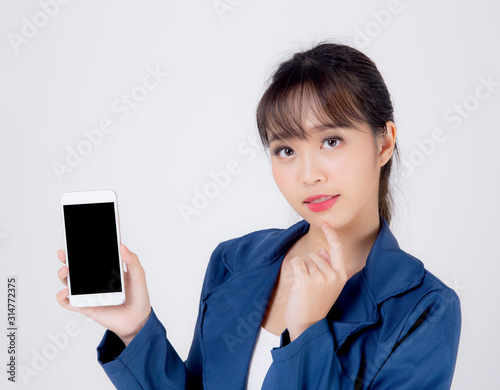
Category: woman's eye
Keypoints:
(332, 142)
(287, 151)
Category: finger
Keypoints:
(321, 264)
(312, 267)
(63, 300)
(62, 274)
(299, 267)
(324, 253)
(61, 255)
(336, 249)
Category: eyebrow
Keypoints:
(316, 129)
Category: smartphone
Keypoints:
(92, 240)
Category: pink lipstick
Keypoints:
(317, 205)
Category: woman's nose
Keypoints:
(311, 170)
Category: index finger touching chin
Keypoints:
(336, 250)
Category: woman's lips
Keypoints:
(322, 206)
(318, 196)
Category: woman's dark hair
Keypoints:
(341, 87)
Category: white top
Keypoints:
(261, 358)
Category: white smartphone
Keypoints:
(92, 240)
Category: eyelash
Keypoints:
(278, 149)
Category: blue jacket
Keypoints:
(394, 326)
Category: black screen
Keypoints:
(94, 265)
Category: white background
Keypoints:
(66, 77)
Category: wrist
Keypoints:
(127, 338)
(295, 332)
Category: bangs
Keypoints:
(318, 98)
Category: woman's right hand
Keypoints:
(125, 320)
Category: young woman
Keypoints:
(332, 302)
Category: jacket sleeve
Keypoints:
(423, 356)
(150, 361)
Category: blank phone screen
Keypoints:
(91, 241)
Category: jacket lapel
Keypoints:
(232, 318)
(388, 271)
(354, 310)
(233, 312)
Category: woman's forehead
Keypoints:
(299, 115)
(313, 128)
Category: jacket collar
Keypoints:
(234, 311)
(384, 274)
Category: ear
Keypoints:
(386, 143)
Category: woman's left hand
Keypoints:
(318, 280)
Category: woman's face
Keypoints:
(332, 161)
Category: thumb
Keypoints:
(134, 268)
